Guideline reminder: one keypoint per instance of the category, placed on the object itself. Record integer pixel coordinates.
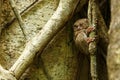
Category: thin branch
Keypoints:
(30, 6)
(40, 41)
(22, 13)
(92, 17)
(18, 16)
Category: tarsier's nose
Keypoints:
(79, 27)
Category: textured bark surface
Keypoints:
(113, 59)
(5, 13)
(12, 41)
(59, 60)
(12, 45)
(43, 37)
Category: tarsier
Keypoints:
(81, 31)
(81, 38)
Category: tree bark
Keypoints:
(40, 41)
(58, 61)
(113, 59)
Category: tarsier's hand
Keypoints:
(81, 32)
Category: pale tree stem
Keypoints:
(18, 16)
(92, 17)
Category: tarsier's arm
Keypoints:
(81, 32)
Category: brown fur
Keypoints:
(80, 35)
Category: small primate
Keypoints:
(81, 38)
(81, 31)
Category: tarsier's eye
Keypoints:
(75, 26)
(80, 24)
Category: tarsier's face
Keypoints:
(80, 24)
(80, 35)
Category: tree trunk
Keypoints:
(113, 59)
